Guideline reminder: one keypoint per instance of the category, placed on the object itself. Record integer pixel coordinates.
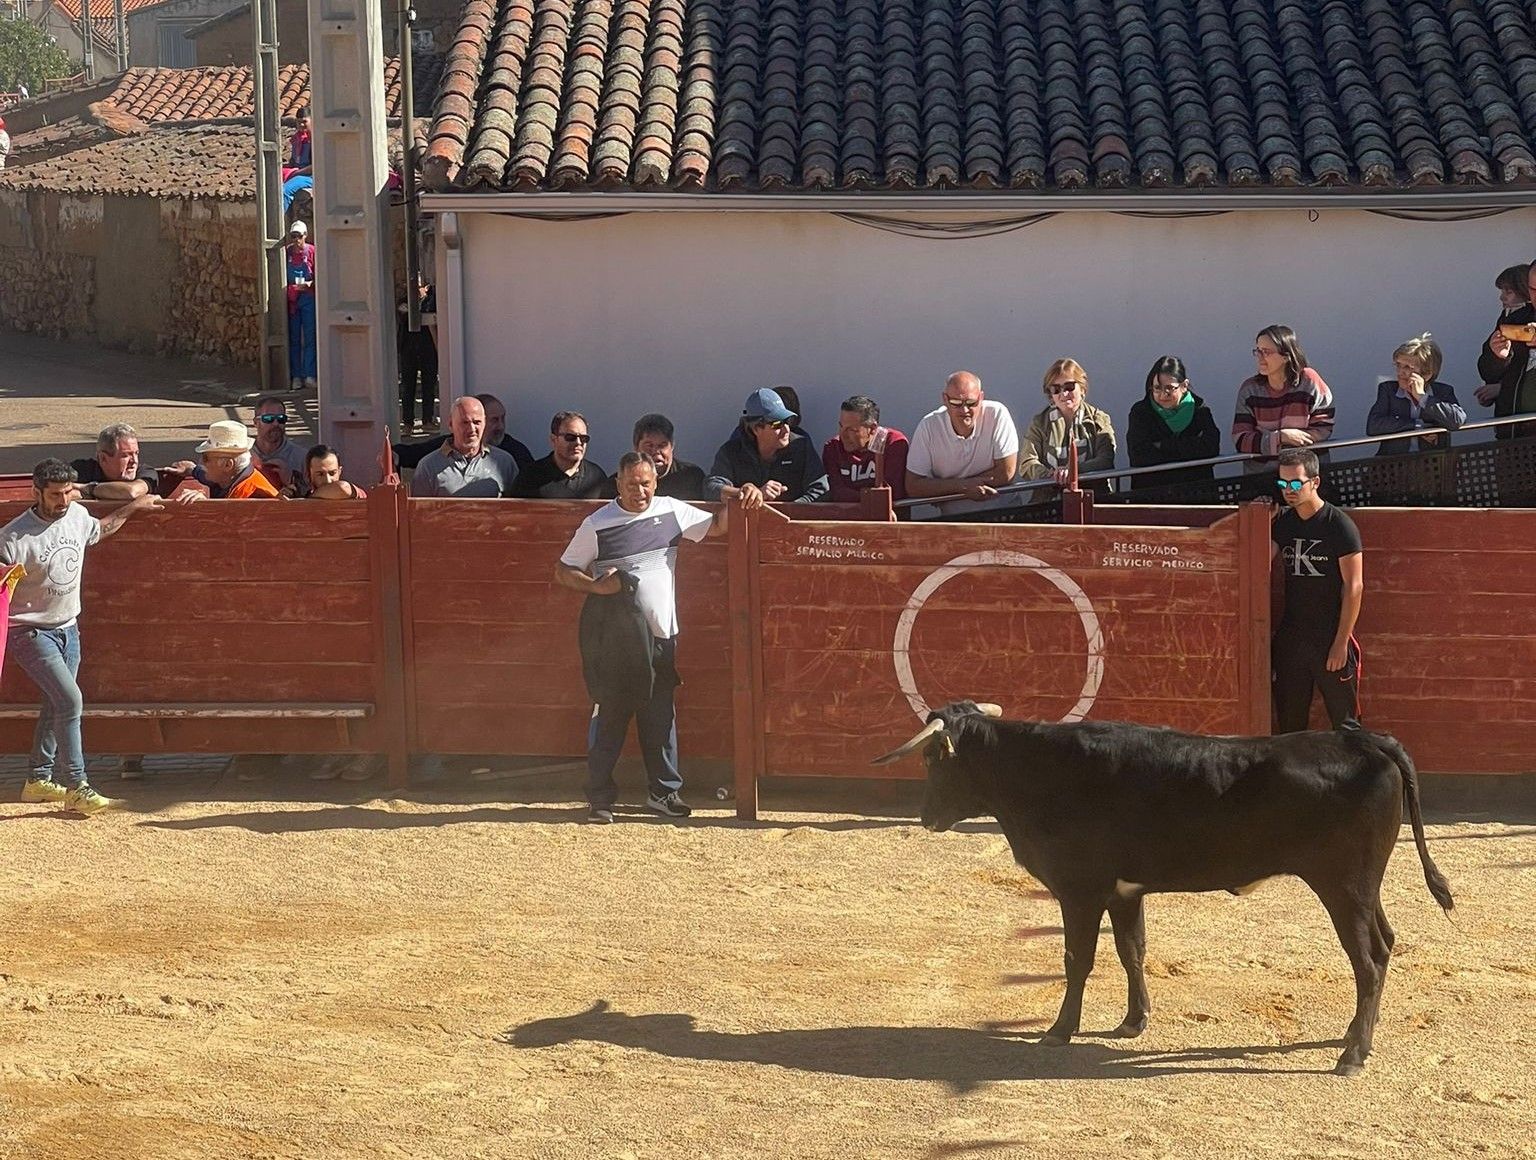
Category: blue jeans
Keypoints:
(656, 723)
(301, 338)
(51, 657)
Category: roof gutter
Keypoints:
(1469, 200)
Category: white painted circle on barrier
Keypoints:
(900, 649)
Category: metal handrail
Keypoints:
(1239, 457)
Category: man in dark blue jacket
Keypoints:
(764, 460)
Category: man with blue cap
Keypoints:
(764, 461)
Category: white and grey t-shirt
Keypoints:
(52, 552)
(642, 545)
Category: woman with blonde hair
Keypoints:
(1068, 419)
(1415, 399)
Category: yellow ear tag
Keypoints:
(949, 745)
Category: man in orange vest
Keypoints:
(226, 468)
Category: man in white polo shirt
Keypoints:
(625, 553)
(969, 445)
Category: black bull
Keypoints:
(1103, 813)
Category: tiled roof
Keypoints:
(71, 8)
(208, 161)
(216, 93)
(984, 94)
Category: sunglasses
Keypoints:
(1064, 388)
(962, 404)
(570, 438)
(279, 419)
(776, 424)
(1293, 484)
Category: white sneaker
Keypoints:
(311, 383)
(295, 384)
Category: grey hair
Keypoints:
(112, 434)
(242, 461)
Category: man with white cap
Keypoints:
(301, 307)
(226, 468)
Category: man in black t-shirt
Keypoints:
(1320, 556)
(115, 472)
(675, 478)
(566, 472)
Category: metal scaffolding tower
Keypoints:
(272, 295)
(354, 290)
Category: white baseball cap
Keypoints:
(298, 228)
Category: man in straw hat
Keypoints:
(49, 540)
(226, 466)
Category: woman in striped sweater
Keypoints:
(1286, 404)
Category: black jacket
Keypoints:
(798, 467)
(1507, 373)
(616, 648)
(1150, 443)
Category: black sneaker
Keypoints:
(600, 816)
(672, 806)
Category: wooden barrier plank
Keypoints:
(231, 523)
(1435, 574)
(490, 641)
(143, 601)
(236, 735)
(106, 641)
(295, 562)
(1453, 530)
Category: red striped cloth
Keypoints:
(1261, 414)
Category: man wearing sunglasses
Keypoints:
(276, 456)
(566, 472)
(764, 460)
(1320, 556)
(969, 445)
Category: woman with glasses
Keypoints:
(1171, 424)
(1068, 419)
(1415, 400)
(1286, 404)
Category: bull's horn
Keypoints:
(990, 709)
(926, 732)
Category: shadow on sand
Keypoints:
(963, 1058)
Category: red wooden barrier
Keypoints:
(806, 647)
(864, 625)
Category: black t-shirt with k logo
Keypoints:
(1310, 551)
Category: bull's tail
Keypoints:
(1438, 886)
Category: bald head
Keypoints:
(962, 401)
(467, 421)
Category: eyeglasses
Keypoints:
(1064, 388)
(1174, 389)
(1260, 352)
(570, 438)
(279, 419)
(962, 404)
(1293, 484)
(776, 424)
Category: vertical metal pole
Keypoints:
(87, 35)
(355, 296)
(272, 292)
(408, 137)
(122, 36)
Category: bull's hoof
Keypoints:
(1348, 1067)
(1130, 1029)
(1054, 1038)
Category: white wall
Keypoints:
(686, 313)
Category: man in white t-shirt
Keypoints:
(969, 445)
(629, 545)
(49, 540)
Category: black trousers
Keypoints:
(418, 375)
(1300, 666)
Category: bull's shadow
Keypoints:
(964, 1058)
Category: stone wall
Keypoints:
(169, 276)
(212, 312)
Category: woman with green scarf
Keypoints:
(1171, 425)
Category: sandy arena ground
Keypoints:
(391, 978)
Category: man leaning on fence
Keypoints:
(49, 540)
(624, 558)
